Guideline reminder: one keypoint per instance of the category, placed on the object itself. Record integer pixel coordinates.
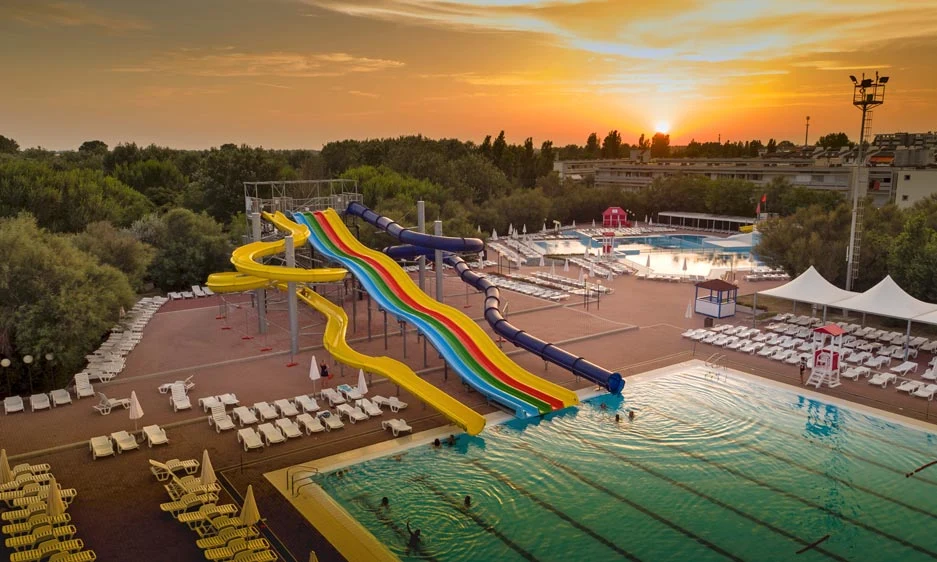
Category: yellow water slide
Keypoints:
(253, 275)
(474, 331)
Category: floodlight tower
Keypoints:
(867, 94)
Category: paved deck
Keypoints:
(117, 509)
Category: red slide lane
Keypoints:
(463, 337)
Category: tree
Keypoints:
(117, 248)
(160, 181)
(528, 165)
(772, 146)
(191, 247)
(547, 157)
(913, 259)
(611, 144)
(485, 148)
(501, 156)
(660, 145)
(8, 145)
(592, 146)
(93, 147)
(643, 143)
(811, 236)
(834, 140)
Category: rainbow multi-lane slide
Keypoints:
(461, 342)
(253, 275)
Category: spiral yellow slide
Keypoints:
(253, 275)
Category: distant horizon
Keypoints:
(299, 73)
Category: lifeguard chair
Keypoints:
(827, 353)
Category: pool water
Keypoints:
(668, 263)
(732, 469)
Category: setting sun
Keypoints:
(662, 127)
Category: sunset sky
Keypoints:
(299, 73)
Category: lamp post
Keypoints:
(28, 361)
(867, 94)
(5, 364)
(49, 371)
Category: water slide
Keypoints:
(253, 275)
(416, 243)
(462, 343)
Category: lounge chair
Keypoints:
(351, 412)
(306, 404)
(166, 470)
(39, 402)
(33, 521)
(349, 392)
(60, 397)
(271, 434)
(288, 427)
(178, 398)
(101, 447)
(187, 502)
(265, 411)
(878, 361)
(930, 374)
(397, 426)
(909, 386)
(106, 404)
(331, 421)
(49, 548)
(286, 407)
(244, 416)
(208, 402)
(257, 556)
(83, 386)
(927, 391)
(235, 547)
(855, 372)
(225, 536)
(310, 423)
(229, 399)
(40, 534)
(882, 379)
(125, 441)
(188, 384)
(155, 435)
(905, 368)
(369, 407)
(250, 439)
(40, 468)
(13, 404)
(220, 419)
(333, 396)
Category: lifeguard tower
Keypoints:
(827, 352)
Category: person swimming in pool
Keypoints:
(414, 537)
(631, 415)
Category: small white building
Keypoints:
(913, 185)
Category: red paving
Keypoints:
(117, 510)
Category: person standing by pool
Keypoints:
(803, 367)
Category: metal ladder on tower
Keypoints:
(860, 207)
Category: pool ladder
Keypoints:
(298, 476)
(716, 361)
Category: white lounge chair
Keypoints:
(208, 402)
(188, 383)
(244, 416)
(369, 407)
(106, 404)
(882, 379)
(752, 347)
(155, 435)
(905, 368)
(124, 441)
(208, 292)
(288, 427)
(930, 374)
(397, 426)
(60, 397)
(250, 439)
(306, 404)
(229, 399)
(767, 351)
(333, 396)
(270, 434)
(265, 411)
(927, 391)
(909, 386)
(855, 372)
(101, 447)
(178, 398)
(349, 392)
(351, 412)
(220, 419)
(83, 386)
(39, 402)
(393, 403)
(13, 404)
(310, 423)
(331, 421)
(285, 407)
(878, 361)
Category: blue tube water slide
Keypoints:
(426, 244)
(521, 408)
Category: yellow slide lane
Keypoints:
(485, 343)
(251, 274)
(336, 344)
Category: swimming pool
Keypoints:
(731, 469)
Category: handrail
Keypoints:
(296, 492)
(292, 481)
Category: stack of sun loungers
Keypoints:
(30, 532)
(287, 418)
(196, 293)
(525, 288)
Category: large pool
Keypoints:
(728, 469)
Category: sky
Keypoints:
(300, 73)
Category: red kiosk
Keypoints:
(615, 217)
(827, 353)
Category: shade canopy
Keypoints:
(810, 287)
(888, 299)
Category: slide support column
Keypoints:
(421, 226)
(437, 230)
(260, 294)
(291, 298)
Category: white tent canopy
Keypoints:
(811, 287)
(888, 299)
(929, 318)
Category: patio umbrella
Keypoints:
(494, 234)
(648, 264)
(645, 219)
(684, 264)
(313, 557)
(582, 275)
(208, 473)
(314, 373)
(54, 504)
(566, 265)
(479, 229)
(362, 384)
(544, 228)
(249, 514)
(6, 475)
(136, 411)
(591, 269)
(689, 311)
(510, 229)
(574, 224)
(610, 277)
(542, 263)
(525, 228)
(552, 267)
(593, 223)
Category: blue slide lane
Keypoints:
(372, 286)
(426, 244)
